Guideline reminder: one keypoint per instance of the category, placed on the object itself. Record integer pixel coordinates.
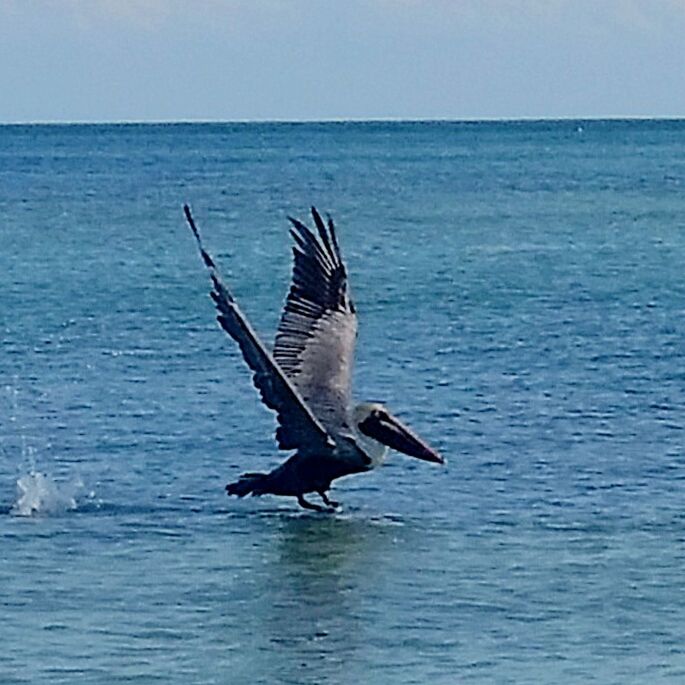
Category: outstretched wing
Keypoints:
(318, 329)
(298, 427)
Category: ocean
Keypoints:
(521, 301)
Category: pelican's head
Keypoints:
(374, 421)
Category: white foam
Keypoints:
(38, 494)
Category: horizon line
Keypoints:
(340, 120)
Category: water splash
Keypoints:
(28, 454)
(38, 494)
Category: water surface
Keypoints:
(521, 305)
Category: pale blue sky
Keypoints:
(142, 60)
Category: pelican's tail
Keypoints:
(254, 484)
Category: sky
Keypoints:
(228, 60)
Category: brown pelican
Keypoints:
(306, 379)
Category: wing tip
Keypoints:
(325, 244)
(191, 222)
(206, 257)
(315, 214)
(323, 233)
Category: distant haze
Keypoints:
(152, 60)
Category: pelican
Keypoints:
(306, 379)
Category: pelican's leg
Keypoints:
(308, 505)
(328, 502)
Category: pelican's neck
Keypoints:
(376, 451)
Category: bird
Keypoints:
(306, 378)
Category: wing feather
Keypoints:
(298, 427)
(317, 332)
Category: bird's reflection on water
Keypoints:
(322, 588)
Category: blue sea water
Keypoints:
(522, 305)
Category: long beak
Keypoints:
(393, 433)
